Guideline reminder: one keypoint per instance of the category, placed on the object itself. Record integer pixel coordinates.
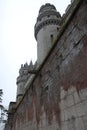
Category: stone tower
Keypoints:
(47, 25)
(21, 80)
(26, 74)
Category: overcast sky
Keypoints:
(17, 42)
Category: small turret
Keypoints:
(25, 73)
(47, 25)
(21, 80)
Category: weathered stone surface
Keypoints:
(57, 96)
(76, 98)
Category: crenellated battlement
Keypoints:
(25, 71)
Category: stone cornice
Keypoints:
(45, 23)
(48, 13)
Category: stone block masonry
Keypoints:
(57, 97)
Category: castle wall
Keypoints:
(57, 98)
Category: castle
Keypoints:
(52, 93)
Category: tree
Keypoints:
(1, 93)
(3, 111)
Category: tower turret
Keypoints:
(21, 80)
(26, 73)
(47, 25)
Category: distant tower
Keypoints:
(21, 80)
(47, 25)
(26, 73)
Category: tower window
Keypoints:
(57, 28)
(51, 37)
(48, 16)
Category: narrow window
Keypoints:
(51, 37)
(57, 28)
